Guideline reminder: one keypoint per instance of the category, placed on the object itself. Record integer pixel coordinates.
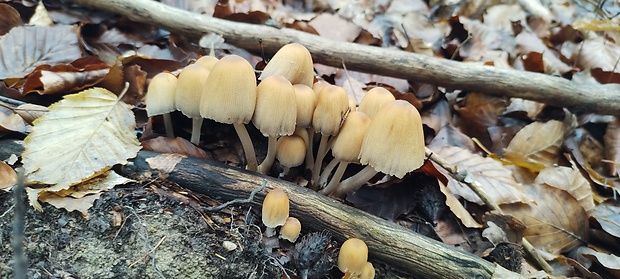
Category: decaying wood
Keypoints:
(386, 241)
(603, 99)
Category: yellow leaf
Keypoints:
(596, 25)
(537, 145)
(81, 136)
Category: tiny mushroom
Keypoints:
(190, 85)
(160, 99)
(275, 114)
(353, 256)
(290, 152)
(230, 98)
(393, 144)
(291, 229)
(294, 62)
(368, 271)
(275, 211)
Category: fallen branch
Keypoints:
(552, 90)
(386, 241)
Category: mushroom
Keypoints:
(207, 61)
(291, 229)
(275, 114)
(306, 103)
(230, 97)
(374, 100)
(160, 99)
(393, 144)
(332, 106)
(290, 152)
(353, 256)
(275, 211)
(346, 148)
(294, 62)
(191, 82)
(368, 271)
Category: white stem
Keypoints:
(333, 183)
(196, 126)
(285, 171)
(168, 125)
(269, 232)
(354, 182)
(320, 155)
(309, 147)
(271, 156)
(324, 178)
(248, 147)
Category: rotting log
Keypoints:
(386, 241)
(556, 91)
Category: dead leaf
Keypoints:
(11, 122)
(30, 112)
(177, 145)
(570, 180)
(555, 222)
(69, 203)
(165, 163)
(609, 261)
(612, 147)
(495, 180)
(596, 25)
(8, 177)
(537, 145)
(598, 53)
(54, 45)
(81, 137)
(608, 216)
(10, 18)
(457, 208)
(79, 74)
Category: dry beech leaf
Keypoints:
(608, 216)
(71, 204)
(81, 137)
(596, 25)
(598, 53)
(457, 208)
(12, 122)
(608, 261)
(177, 145)
(537, 145)
(10, 18)
(165, 163)
(30, 112)
(324, 25)
(8, 177)
(556, 222)
(612, 147)
(79, 74)
(496, 180)
(570, 180)
(26, 47)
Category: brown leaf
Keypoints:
(457, 208)
(537, 145)
(495, 180)
(8, 177)
(475, 120)
(324, 25)
(598, 53)
(26, 47)
(10, 18)
(533, 62)
(605, 76)
(64, 78)
(556, 222)
(166, 162)
(177, 145)
(30, 112)
(11, 122)
(608, 216)
(450, 136)
(570, 180)
(610, 262)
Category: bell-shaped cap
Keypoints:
(160, 94)
(294, 62)
(275, 208)
(348, 142)
(374, 100)
(353, 256)
(291, 151)
(190, 84)
(332, 104)
(276, 107)
(306, 103)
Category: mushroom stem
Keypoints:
(324, 178)
(271, 156)
(320, 155)
(285, 171)
(196, 126)
(354, 182)
(168, 125)
(248, 147)
(269, 232)
(333, 183)
(309, 147)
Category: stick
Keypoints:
(552, 90)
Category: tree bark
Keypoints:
(603, 99)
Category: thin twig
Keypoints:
(149, 252)
(237, 201)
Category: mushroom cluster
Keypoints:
(289, 108)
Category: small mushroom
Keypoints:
(160, 99)
(368, 271)
(291, 229)
(353, 256)
(294, 62)
(191, 82)
(275, 211)
(207, 61)
(374, 100)
(306, 103)
(230, 98)
(290, 152)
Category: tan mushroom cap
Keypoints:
(275, 208)
(374, 100)
(207, 61)
(368, 271)
(230, 91)
(394, 141)
(294, 62)
(306, 103)
(318, 86)
(276, 107)
(353, 256)
(190, 85)
(348, 142)
(291, 151)
(291, 229)
(332, 104)
(160, 94)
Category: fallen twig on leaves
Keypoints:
(552, 90)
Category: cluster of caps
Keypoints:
(289, 108)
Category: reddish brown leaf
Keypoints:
(605, 76)
(66, 78)
(533, 62)
(10, 18)
(8, 177)
(570, 180)
(176, 145)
